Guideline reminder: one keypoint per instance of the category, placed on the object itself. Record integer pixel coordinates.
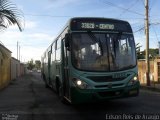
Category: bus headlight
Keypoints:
(80, 84)
(133, 80)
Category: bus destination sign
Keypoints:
(103, 26)
(100, 25)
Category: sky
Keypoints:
(44, 19)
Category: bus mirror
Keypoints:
(67, 39)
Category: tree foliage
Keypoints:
(34, 65)
(38, 64)
(30, 65)
(10, 15)
(153, 53)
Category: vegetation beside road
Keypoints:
(31, 65)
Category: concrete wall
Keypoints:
(15, 68)
(153, 71)
(22, 69)
(5, 66)
(157, 70)
(10, 68)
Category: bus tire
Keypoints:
(46, 85)
(44, 79)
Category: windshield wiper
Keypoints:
(94, 39)
(114, 41)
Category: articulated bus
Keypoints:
(92, 59)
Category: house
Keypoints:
(15, 68)
(5, 66)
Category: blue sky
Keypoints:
(44, 19)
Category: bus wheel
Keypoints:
(46, 85)
(45, 82)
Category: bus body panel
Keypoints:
(102, 91)
(82, 96)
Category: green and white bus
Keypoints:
(92, 59)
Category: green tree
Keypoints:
(10, 15)
(153, 53)
(30, 65)
(38, 64)
(138, 51)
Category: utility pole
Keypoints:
(21, 58)
(19, 54)
(17, 50)
(147, 42)
(159, 47)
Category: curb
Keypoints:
(151, 88)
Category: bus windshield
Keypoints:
(103, 51)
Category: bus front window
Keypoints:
(122, 51)
(87, 52)
(102, 52)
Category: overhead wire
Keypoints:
(143, 2)
(44, 15)
(152, 4)
(155, 42)
(152, 24)
(133, 4)
(140, 29)
(119, 7)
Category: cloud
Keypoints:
(60, 3)
(27, 25)
(32, 45)
(28, 52)
(141, 41)
(40, 37)
(10, 36)
(30, 24)
(31, 53)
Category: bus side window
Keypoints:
(53, 52)
(58, 49)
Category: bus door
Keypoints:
(66, 71)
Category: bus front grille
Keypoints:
(110, 93)
(109, 85)
(105, 78)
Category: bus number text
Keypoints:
(88, 25)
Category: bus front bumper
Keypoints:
(93, 95)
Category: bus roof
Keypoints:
(95, 18)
